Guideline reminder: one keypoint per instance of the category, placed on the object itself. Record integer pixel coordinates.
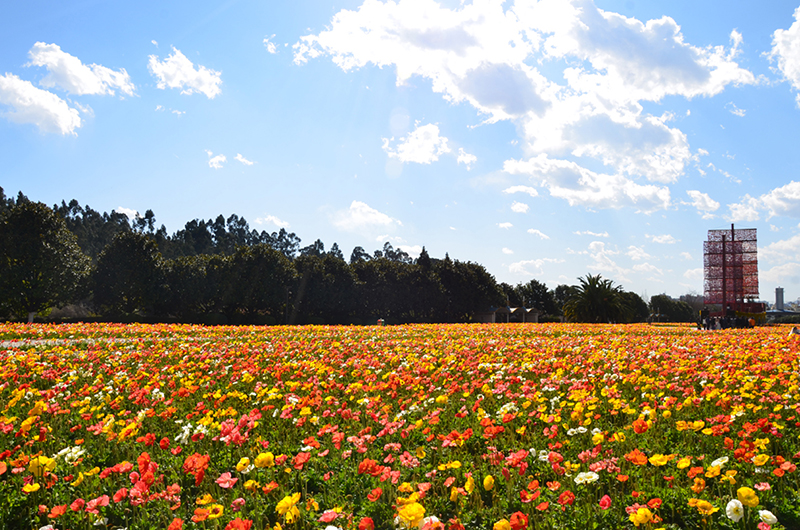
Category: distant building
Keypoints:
(507, 314)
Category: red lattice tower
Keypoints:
(731, 267)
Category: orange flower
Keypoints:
(636, 457)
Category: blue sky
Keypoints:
(544, 140)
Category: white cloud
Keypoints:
(703, 202)
(580, 186)
(781, 251)
(746, 210)
(271, 219)
(522, 189)
(782, 274)
(601, 67)
(519, 207)
(215, 162)
(360, 216)
(412, 250)
(154, 43)
(664, 239)
(736, 111)
(466, 158)
(69, 73)
(786, 50)
(270, 46)
(637, 253)
(647, 267)
(243, 160)
(179, 113)
(423, 145)
(130, 213)
(505, 225)
(176, 71)
(590, 233)
(603, 261)
(29, 104)
(686, 256)
(694, 274)
(524, 267)
(784, 200)
(539, 233)
(507, 251)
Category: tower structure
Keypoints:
(730, 259)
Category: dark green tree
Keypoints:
(257, 280)
(128, 277)
(536, 295)
(561, 295)
(637, 309)
(665, 309)
(596, 300)
(359, 254)
(41, 264)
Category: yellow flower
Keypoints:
(93, 471)
(243, 464)
(712, 472)
(469, 487)
(411, 499)
(251, 485)
(502, 524)
(642, 516)
(405, 487)
(598, 438)
(215, 511)
(420, 452)
(488, 482)
(264, 460)
(453, 494)
(761, 443)
(704, 507)
(760, 460)
(684, 462)
(411, 514)
(747, 497)
(39, 465)
(30, 488)
(78, 481)
(661, 460)
(287, 508)
(205, 499)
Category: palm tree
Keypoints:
(596, 300)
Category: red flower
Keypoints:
(640, 426)
(518, 521)
(176, 524)
(567, 497)
(300, 460)
(77, 505)
(543, 506)
(654, 503)
(328, 516)
(605, 502)
(239, 524)
(120, 494)
(57, 511)
(200, 514)
(366, 523)
(374, 495)
(164, 443)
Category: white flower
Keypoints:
(586, 477)
(767, 517)
(734, 510)
(719, 462)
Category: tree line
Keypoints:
(107, 266)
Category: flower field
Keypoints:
(426, 426)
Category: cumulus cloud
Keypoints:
(647, 268)
(176, 71)
(130, 213)
(782, 274)
(466, 158)
(360, 216)
(215, 162)
(746, 210)
(602, 261)
(580, 186)
(694, 274)
(586, 107)
(664, 239)
(29, 104)
(704, 203)
(539, 233)
(519, 207)
(590, 233)
(637, 253)
(531, 267)
(505, 225)
(423, 145)
(522, 189)
(67, 72)
(271, 219)
(786, 51)
(686, 255)
(243, 160)
(784, 200)
(781, 251)
(270, 46)
(412, 250)
(507, 251)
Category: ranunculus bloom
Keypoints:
(518, 521)
(605, 502)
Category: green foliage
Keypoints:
(128, 276)
(596, 300)
(665, 309)
(41, 264)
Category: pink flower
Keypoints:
(605, 502)
(764, 526)
(328, 516)
(93, 504)
(763, 486)
(226, 481)
(237, 504)
(77, 505)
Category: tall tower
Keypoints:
(779, 298)
(731, 268)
